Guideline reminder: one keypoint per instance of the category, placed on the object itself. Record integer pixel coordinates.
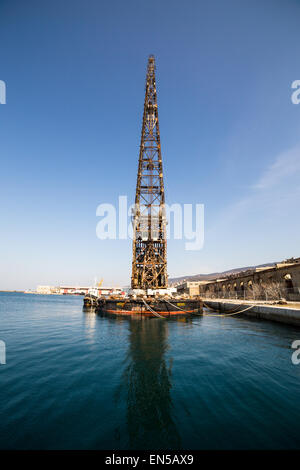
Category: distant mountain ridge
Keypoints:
(217, 275)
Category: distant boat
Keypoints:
(91, 298)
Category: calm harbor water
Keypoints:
(76, 380)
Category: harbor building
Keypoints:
(281, 280)
(47, 290)
(190, 288)
(77, 290)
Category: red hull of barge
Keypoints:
(159, 307)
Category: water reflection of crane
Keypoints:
(147, 386)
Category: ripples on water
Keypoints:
(75, 379)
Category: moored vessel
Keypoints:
(150, 295)
(150, 307)
(91, 298)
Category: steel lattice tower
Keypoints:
(149, 263)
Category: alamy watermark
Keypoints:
(2, 352)
(296, 354)
(182, 221)
(295, 96)
(2, 92)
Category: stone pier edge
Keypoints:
(287, 315)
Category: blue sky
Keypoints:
(70, 131)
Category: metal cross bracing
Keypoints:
(149, 263)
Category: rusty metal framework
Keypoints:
(149, 262)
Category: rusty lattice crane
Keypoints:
(149, 263)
